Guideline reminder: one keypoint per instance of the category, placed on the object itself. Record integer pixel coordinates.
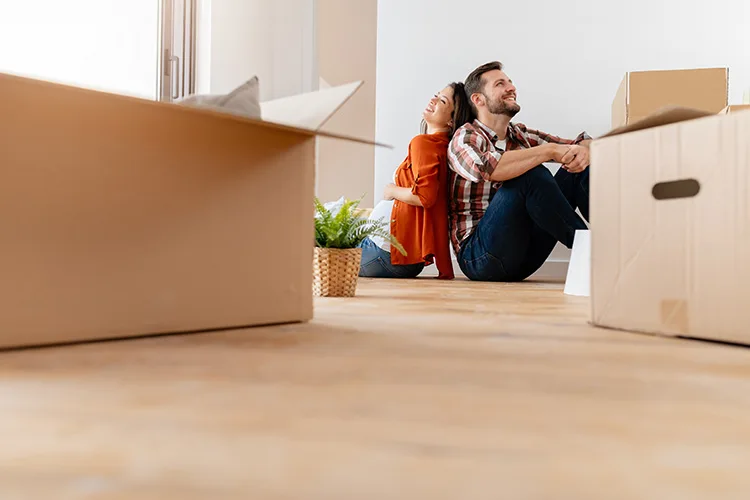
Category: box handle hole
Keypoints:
(674, 190)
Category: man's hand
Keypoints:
(558, 151)
(575, 159)
(389, 192)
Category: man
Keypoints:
(507, 210)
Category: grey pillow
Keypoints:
(242, 101)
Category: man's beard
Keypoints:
(501, 107)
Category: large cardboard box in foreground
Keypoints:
(124, 217)
(670, 221)
(642, 93)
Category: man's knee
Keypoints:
(540, 173)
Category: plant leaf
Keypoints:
(347, 229)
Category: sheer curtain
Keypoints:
(108, 45)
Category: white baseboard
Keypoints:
(552, 270)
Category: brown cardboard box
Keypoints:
(733, 108)
(642, 93)
(670, 226)
(124, 217)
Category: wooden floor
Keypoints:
(413, 389)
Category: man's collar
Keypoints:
(486, 129)
(493, 134)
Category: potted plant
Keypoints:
(339, 229)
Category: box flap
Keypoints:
(664, 116)
(63, 90)
(310, 110)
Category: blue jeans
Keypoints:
(376, 263)
(526, 217)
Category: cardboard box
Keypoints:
(642, 93)
(733, 108)
(670, 219)
(124, 217)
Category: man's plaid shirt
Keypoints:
(473, 155)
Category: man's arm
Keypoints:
(472, 158)
(520, 161)
(537, 137)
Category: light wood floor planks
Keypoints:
(413, 389)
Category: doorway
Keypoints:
(177, 38)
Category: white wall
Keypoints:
(566, 57)
(238, 39)
(103, 44)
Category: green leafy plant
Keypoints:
(346, 228)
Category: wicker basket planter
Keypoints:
(335, 271)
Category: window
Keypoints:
(143, 48)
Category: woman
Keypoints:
(416, 204)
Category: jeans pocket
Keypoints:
(374, 268)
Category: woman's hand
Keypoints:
(389, 193)
(393, 192)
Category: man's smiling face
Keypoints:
(500, 94)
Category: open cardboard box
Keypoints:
(125, 217)
(670, 222)
(642, 93)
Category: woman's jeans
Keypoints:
(526, 218)
(376, 263)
